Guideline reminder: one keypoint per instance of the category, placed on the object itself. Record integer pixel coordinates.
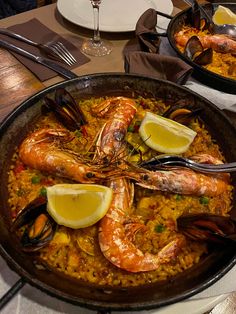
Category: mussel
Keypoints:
(38, 227)
(207, 227)
(65, 109)
(200, 18)
(182, 113)
(195, 51)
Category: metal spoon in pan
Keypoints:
(165, 161)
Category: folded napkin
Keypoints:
(149, 39)
(144, 57)
(36, 31)
(149, 55)
(159, 66)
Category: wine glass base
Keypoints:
(99, 49)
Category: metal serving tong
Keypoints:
(165, 161)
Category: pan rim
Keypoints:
(80, 301)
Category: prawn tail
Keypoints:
(171, 250)
(148, 262)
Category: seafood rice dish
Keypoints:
(211, 50)
(138, 241)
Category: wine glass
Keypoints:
(96, 46)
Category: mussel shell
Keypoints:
(201, 18)
(205, 57)
(30, 244)
(195, 17)
(26, 217)
(226, 224)
(195, 51)
(182, 113)
(207, 227)
(63, 114)
(65, 109)
(64, 99)
(193, 46)
(29, 213)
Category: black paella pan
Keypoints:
(192, 281)
(200, 73)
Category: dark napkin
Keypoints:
(36, 31)
(146, 33)
(143, 56)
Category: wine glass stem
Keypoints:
(96, 34)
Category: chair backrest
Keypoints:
(44, 2)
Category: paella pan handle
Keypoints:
(164, 34)
(11, 292)
(8, 296)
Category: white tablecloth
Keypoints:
(31, 300)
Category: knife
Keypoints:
(44, 61)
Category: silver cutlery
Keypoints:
(53, 49)
(162, 161)
(44, 61)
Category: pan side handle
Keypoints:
(11, 292)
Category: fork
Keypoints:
(55, 50)
(162, 161)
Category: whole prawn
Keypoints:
(120, 112)
(113, 240)
(180, 181)
(40, 151)
(219, 43)
(116, 245)
(183, 180)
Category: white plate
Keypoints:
(115, 15)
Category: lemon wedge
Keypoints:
(224, 15)
(78, 205)
(165, 135)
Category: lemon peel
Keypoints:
(165, 135)
(224, 15)
(78, 205)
